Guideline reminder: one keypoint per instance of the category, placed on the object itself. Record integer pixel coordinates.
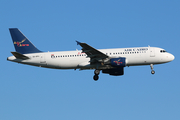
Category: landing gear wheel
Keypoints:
(152, 72)
(96, 77)
(96, 72)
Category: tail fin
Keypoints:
(21, 43)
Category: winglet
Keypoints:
(78, 43)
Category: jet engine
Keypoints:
(118, 65)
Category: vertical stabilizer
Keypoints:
(21, 43)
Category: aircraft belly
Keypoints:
(64, 63)
(141, 60)
(68, 64)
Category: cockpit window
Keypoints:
(163, 51)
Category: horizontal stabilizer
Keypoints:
(20, 56)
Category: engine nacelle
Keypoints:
(118, 62)
(115, 71)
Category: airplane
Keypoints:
(109, 61)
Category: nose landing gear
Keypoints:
(96, 76)
(152, 71)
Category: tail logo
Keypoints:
(20, 44)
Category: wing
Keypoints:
(94, 54)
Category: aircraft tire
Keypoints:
(96, 77)
(152, 72)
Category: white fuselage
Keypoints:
(79, 60)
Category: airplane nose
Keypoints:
(171, 57)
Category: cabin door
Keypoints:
(42, 58)
(152, 52)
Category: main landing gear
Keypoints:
(152, 71)
(96, 76)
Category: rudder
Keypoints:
(21, 43)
